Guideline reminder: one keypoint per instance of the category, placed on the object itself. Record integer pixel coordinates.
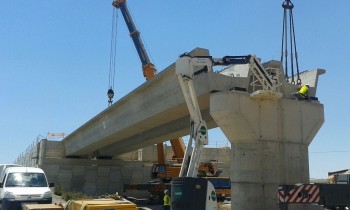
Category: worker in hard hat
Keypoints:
(166, 199)
(303, 93)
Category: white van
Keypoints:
(22, 185)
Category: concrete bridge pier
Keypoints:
(269, 140)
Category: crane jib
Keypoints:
(134, 33)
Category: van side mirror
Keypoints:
(51, 184)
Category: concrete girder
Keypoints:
(152, 113)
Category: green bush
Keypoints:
(57, 191)
(74, 196)
(70, 195)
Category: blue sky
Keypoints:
(54, 60)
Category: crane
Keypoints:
(149, 71)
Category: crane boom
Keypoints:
(185, 69)
(187, 183)
(148, 68)
(149, 72)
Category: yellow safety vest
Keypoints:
(167, 201)
(303, 91)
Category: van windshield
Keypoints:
(26, 180)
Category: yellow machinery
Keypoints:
(92, 204)
(100, 204)
(43, 207)
(167, 172)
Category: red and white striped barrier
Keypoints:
(304, 193)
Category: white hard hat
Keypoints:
(308, 85)
(165, 191)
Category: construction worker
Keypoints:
(303, 93)
(166, 199)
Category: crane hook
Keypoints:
(110, 94)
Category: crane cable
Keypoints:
(112, 58)
(288, 5)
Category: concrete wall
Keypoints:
(95, 177)
(100, 176)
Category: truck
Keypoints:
(330, 196)
(343, 179)
(23, 185)
(222, 187)
(339, 177)
(166, 172)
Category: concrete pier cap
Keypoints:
(269, 141)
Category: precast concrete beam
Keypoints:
(269, 142)
(152, 113)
